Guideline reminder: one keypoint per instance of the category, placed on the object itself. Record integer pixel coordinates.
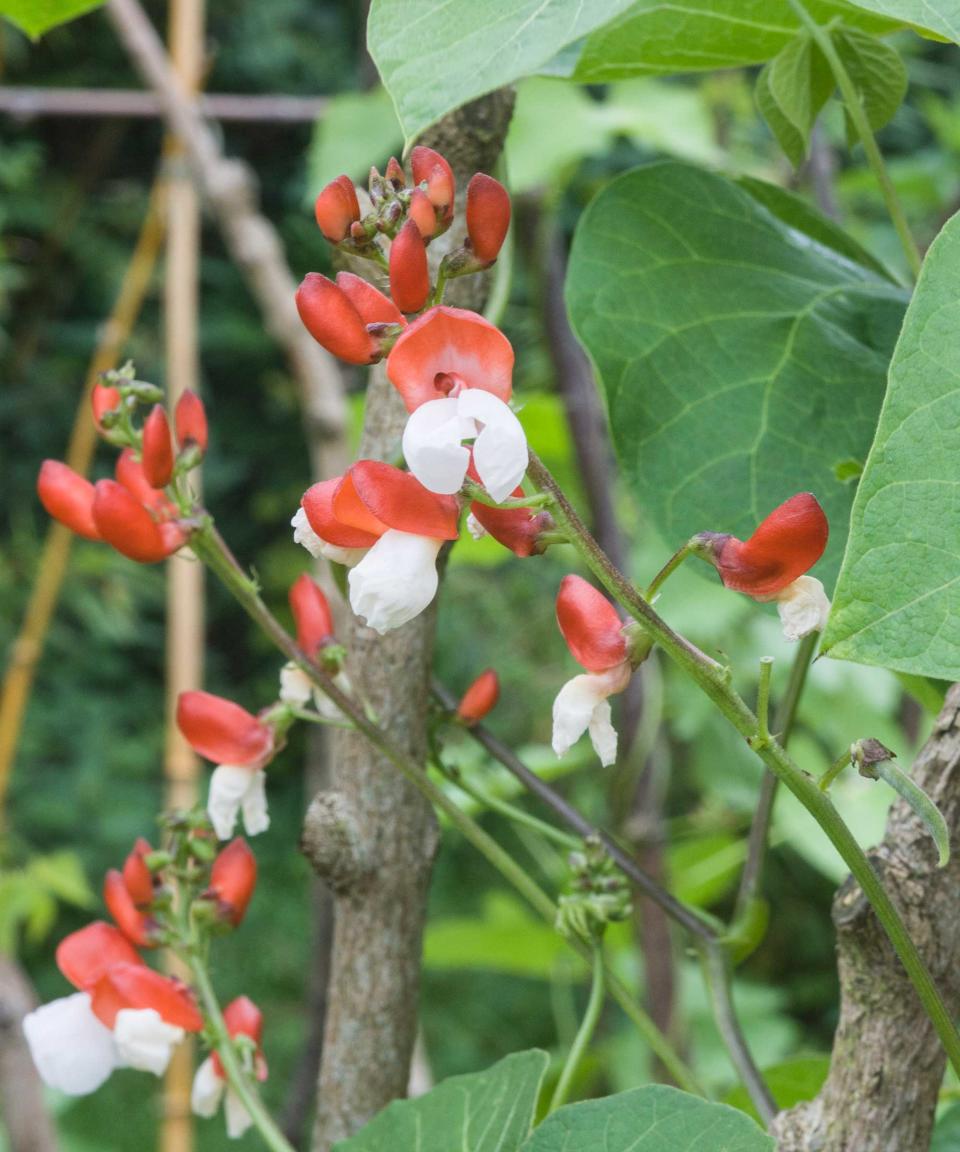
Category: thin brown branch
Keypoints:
(25, 103)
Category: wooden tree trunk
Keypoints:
(22, 1110)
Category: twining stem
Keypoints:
(858, 116)
(714, 681)
(239, 1081)
(585, 1032)
(668, 569)
(211, 549)
(833, 771)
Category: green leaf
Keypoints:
(799, 81)
(793, 142)
(652, 1119)
(790, 1083)
(434, 55)
(878, 73)
(946, 1134)
(358, 129)
(741, 359)
(898, 599)
(701, 35)
(488, 1111)
(38, 16)
(940, 17)
(61, 873)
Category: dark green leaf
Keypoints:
(741, 359)
(38, 16)
(788, 136)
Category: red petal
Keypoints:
(222, 731)
(136, 986)
(243, 1018)
(409, 274)
(590, 625)
(190, 421)
(124, 522)
(480, 697)
(350, 509)
(103, 399)
(518, 529)
(785, 545)
(68, 497)
(450, 342)
(84, 956)
(429, 167)
(333, 321)
(312, 615)
(488, 216)
(157, 455)
(400, 501)
(373, 306)
(422, 213)
(132, 923)
(137, 877)
(233, 879)
(317, 502)
(336, 209)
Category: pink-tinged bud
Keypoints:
(137, 986)
(84, 956)
(337, 207)
(395, 173)
(190, 421)
(479, 698)
(311, 612)
(423, 213)
(137, 877)
(333, 321)
(373, 306)
(232, 880)
(68, 497)
(243, 1018)
(222, 731)
(590, 625)
(488, 216)
(124, 523)
(783, 547)
(431, 169)
(409, 274)
(138, 928)
(157, 454)
(103, 399)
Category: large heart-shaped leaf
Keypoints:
(898, 599)
(38, 16)
(653, 1119)
(488, 1111)
(742, 360)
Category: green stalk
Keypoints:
(714, 681)
(585, 1033)
(668, 569)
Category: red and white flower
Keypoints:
(210, 1086)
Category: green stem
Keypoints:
(833, 771)
(920, 802)
(668, 569)
(478, 494)
(763, 703)
(585, 1033)
(858, 116)
(714, 681)
(239, 1081)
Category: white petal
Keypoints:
(432, 445)
(603, 735)
(324, 705)
(500, 452)
(395, 581)
(237, 1117)
(228, 785)
(337, 555)
(474, 527)
(207, 1091)
(295, 685)
(305, 535)
(255, 816)
(803, 607)
(145, 1040)
(581, 704)
(72, 1050)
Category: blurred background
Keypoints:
(87, 777)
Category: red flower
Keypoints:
(190, 421)
(243, 1018)
(232, 880)
(136, 986)
(431, 170)
(67, 497)
(488, 216)
(409, 275)
(157, 455)
(84, 956)
(446, 350)
(590, 625)
(222, 731)
(126, 524)
(138, 928)
(519, 529)
(137, 877)
(423, 213)
(337, 207)
(103, 399)
(311, 612)
(480, 698)
(332, 320)
(372, 305)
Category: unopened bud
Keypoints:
(395, 173)
(480, 698)
(379, 188)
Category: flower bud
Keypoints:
(432, 170)
(590, 625)
(409, 275)
(125, 524)
(519, 529)
(137, 876)
(157, 454)
(337, 208)
(68, 497)
(311, 613)
(423, 213)
(104, 399)
(232, 880)
(243, 1018)
(480, 698)
(190, 421)
(395, 173)
(138, 928)
(333, 321)
(488, 216)
(373, 306)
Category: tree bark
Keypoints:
(385, 832)
(887, 1063)
(25, 1118)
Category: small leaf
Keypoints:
(788, 136)
(877, 71)
(920, 803)
(799, 83)
(38, 16)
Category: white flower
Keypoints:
(317, 546)
(72, 1050)
(434, 451)
(209, 1090)
(144, 1040)
(234, 790)
(396, 579)
(296, 687)
(582, 705)
(804, 607)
